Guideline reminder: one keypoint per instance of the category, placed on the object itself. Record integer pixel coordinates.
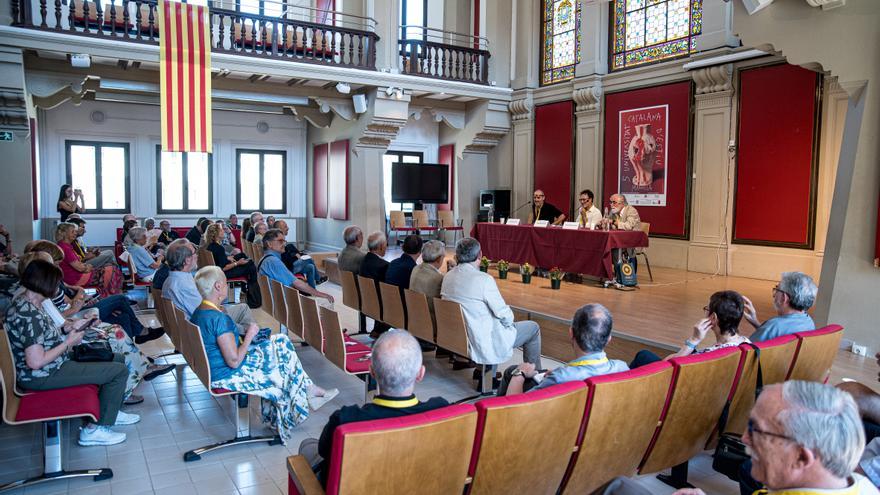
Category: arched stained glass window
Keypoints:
(645, 31)
(560, 39)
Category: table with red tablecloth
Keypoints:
(574, 251)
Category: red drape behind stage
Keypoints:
(554, 153)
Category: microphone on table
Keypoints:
(520, 207)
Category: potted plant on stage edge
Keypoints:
(484, 264)
(556, 278)
(503, 266)
(526, 272)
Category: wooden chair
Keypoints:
(436, 446)
(522, 424)
(48, 407)
(370, 303)
(420, 318)
(422, 223)
(258, 252)
(397, 223)
(351, 296)
(279, 306)
(452, 335)
(701, 385)
(198, 362)
(393, 311)
(446, 221)
(646, 228)
(294, 312)
(266, 294)
(348, 355)
(172, 328)
(311, 323)
(205, 258)
(247, 248)
(815, 354)
(612, 443)
(133, 279)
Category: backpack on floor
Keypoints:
(625, 272)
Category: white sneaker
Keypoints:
(124, 418)
(316, 401)
(99, 435)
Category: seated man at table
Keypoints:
(492, 333)
(623, 216)
(542, 210)
(588, 215)
(792, 297)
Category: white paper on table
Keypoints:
(570, 226)
(542, 223)
(305, 257)
(513, 221)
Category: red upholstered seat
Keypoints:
(352, 345)
(357, 363)
(220, 391)
(81, 400)
(236, 279)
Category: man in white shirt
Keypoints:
(588, 215)
(492, 333)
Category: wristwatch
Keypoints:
(516, 372)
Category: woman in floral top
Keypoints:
(40, 351)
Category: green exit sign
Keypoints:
(6, 136)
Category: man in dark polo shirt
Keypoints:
(397, 367)
(400, 269)
(542, 210)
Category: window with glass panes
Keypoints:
(388, 159)
(645, 31)
(560, 40)
(101, 171)
(261, 178)
(184, 182)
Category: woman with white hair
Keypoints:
(143, 261)
(269, 368)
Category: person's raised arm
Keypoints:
(559, 220)
(749, 312)
(690, 345)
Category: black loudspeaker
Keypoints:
(499, 198)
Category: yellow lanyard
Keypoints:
(538, 213)
(211, 305)
(396, 404)
(588, 362)
(851, 490)
(79, 249)
(583, 222)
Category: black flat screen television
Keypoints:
(419, 182)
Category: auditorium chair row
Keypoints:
(569, 438)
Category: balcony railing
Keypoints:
(282, 37)
(430, 52)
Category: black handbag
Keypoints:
(730, 453)
(92, 352)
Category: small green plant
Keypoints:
(556, 273)
(503, 266)
(484, 262)
(525, 269)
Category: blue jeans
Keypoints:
(117, 310)
(307, 268)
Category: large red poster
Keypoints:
(641, 153)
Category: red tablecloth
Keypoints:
(575, 251)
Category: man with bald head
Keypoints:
(293, 259)
(397, 367)
(375, 267)
(542, 210)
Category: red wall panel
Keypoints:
(446, 156)
(670, 220)
(337, 180)
(775, 173)
(320, 157)
(554, 152)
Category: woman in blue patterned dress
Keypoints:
(269, 369)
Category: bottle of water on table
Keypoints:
(492, 214)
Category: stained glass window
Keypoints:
(560, 39)
(645, 31)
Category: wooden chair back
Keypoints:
(646, 227)
(445, 219)
(279, 307)
(294, 311)
(419, 318)
(350, 295)
(258, 252)
(436, 445)
(247, 248)
(266, 294)
(451, 328)
(514, 424)
(420, 219)
(156, 294)
(617, 429)
(701, 385)
(334, 341)
(195, 354)
(7, 379)
(205, 258)
(393, 312)
(180, 321)
(314, 336)
(397, 219)
(172, 328)
(370, 304)
(815, 354)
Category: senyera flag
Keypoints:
(185, 76)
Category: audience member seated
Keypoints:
(42, 362)
(107, 279)
(588, 215)
(492, 333)
(792, 297)
(269, 369)
(400, 269)
(195, 233)
(234, 267)
(270, 222)
(8, 263)
(245, 227)
(228, 240)
(168, 235)
(70, 201)
(126, 228)
(180, 288)
(153, 234)
(296, 262)
(623, 216)
(93, 256)
(723, 314)
(255, 218)
(589, 333)
(272, 266)
(426, 277)
(143, 261)
(232, 222)
(260, 229)
(541, 210)
(352, 256)
(374, 266)
(397, 367)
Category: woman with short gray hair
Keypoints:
(142, 260)
(792, 297)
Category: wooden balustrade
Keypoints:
(231, 31)
(444, 61)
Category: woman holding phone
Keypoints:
(70, 201)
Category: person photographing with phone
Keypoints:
(70, 201)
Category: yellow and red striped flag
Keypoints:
(185, 76)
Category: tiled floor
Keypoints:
(178, 414)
